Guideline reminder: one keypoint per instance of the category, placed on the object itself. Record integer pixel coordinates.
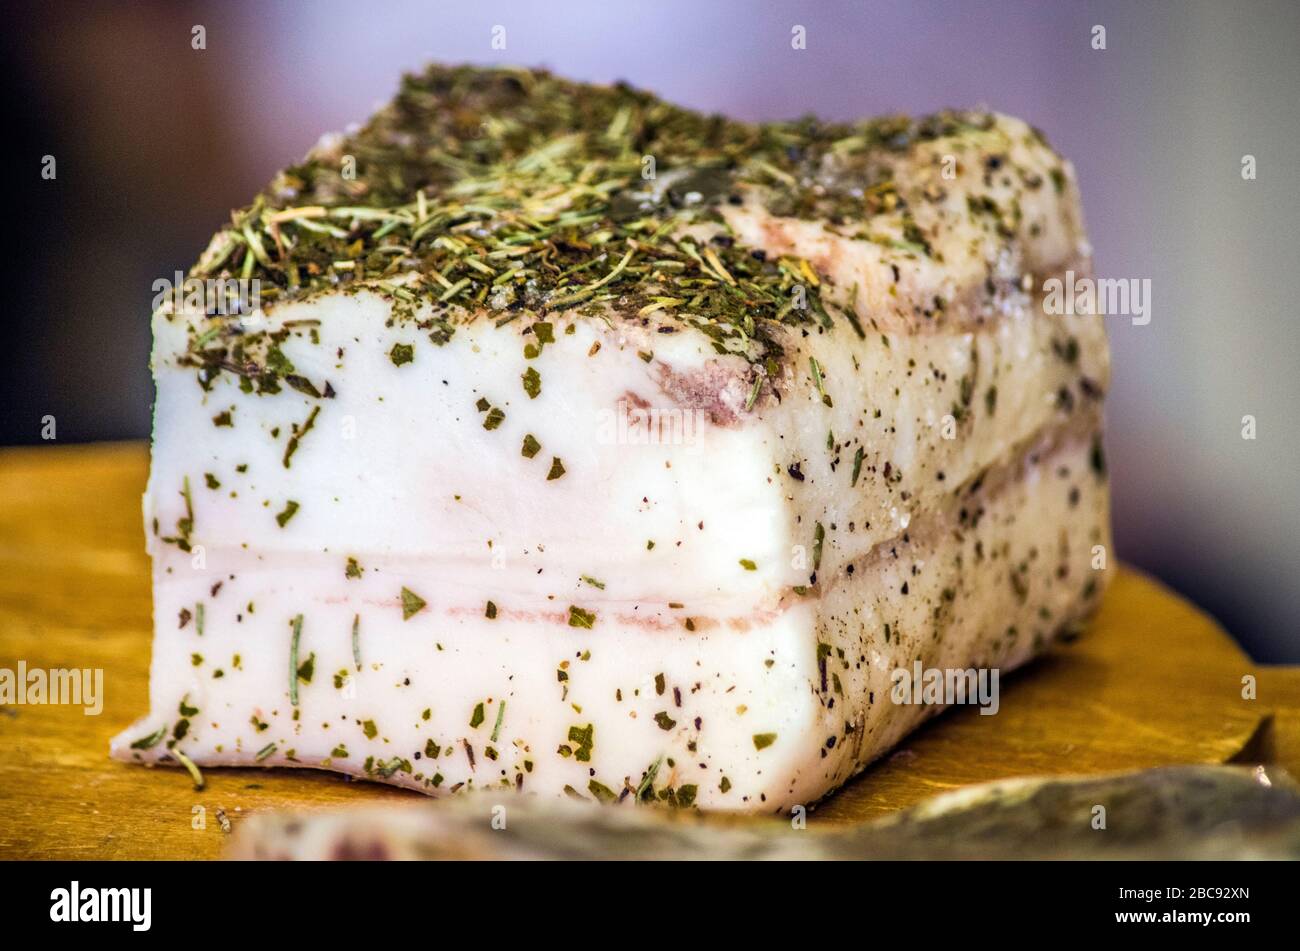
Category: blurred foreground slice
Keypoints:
(1181, 812)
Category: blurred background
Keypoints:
(155, 143)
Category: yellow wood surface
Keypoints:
(1151, 682)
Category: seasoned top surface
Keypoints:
(514, 193)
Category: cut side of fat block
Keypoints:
(650, 510)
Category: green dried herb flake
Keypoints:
(532, 383)
(412, 604)
(580, 618)
(584, 738)
(295, 638)
(151, 740)
(289, 511)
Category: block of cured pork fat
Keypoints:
(573, 442)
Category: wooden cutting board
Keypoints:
(1152, 682)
